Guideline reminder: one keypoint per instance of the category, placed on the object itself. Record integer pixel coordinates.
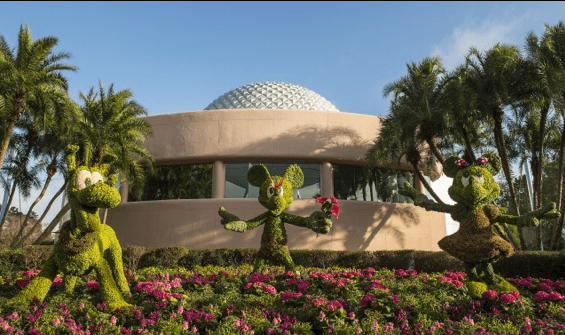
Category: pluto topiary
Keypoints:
(85, 244)
(276, 195)
(475, 243)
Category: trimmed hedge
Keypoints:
(537, 264)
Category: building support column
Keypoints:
(327, 179)
(124, 190)
(219, 180)
(418, 185)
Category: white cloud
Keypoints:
(453, 49)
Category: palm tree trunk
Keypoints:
(426, 184)
(47, 232)
(435, 151)
(12, 192)
(51, 170)
(540, 148)
(501, 147)
(38, 223)
(560, 198)
(19, 108)
(468, 148)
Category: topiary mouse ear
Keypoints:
(106, 160)
(450, 168)
(258, 174)
(493, 162)
(71, 158)
(294, 175)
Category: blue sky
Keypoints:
(180, 56)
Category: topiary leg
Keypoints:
(69, 283)
(490, 278)
(471, 270)
(110, 292)
(260, 265)
(115, 261)
(288, 263)
(40, 285)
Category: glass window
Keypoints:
(237, 185)
(190, 181)
(369, 184)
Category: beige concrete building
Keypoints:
(276, 124)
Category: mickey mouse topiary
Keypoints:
(276, 195)
(474, 191)
(85, 244)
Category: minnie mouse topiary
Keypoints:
(475, 243)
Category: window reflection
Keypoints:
(364, 183)
(189, 181)
(237, 185)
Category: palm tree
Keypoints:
(392, 146)
(31, 69)
(551, 50)
(464, 126)
(417, 100)
(58, 116)
(24, 177)
(109, 123)
(492, 78)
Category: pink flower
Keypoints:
(335, 210)
(507, 298)
(270, 289)
(367, 299)
(113, 320)
(92, 284)
(57, 282)
(544, 287)
(460, 163)
(184, 325)
(334, 200)
(13, 316)
(303, 286)
(289, 295)
(490, 294)
(22, 283)
(540, 296)
(321, 200)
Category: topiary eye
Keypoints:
(82, 176)
(270, 191)
(96, 177)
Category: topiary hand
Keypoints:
(549, 211)
(319, 222)
(409, 191)
(226, 217)
(231, 222)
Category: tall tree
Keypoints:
(417, 102)
(551, 48)
(33, 67)
(57, 119)
(392, 147)
(492, 78)
(110, 123)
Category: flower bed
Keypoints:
(214, 300)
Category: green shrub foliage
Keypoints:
(85, 244)
(276, 195)
(474, 191)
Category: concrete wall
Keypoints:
(244, 134)
(196, 224)
(221, 136)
